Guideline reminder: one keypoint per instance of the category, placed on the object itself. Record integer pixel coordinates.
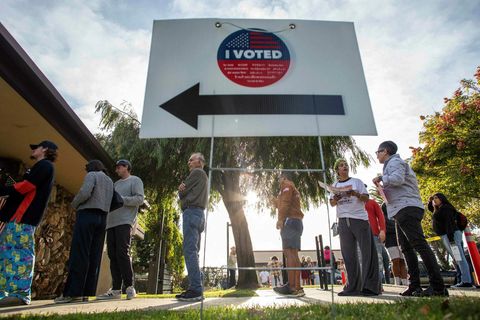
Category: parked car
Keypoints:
(447, 275)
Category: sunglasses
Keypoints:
(378, 151)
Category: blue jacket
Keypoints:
(400, 186)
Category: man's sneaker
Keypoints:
(463, 285)
(298, 293)
(180, 295)
(110, 294)
(411, 291)
(131, 293)
(67, 299)
(284, 290)
(190, 295)
(430, 292)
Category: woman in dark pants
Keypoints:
(92, 204)
(353, 227)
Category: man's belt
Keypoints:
(192, 207)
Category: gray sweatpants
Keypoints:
(351, 232)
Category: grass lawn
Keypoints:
(232, 293)
(424, 308)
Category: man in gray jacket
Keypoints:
(193, 193)
(406, 207)
(119, 230)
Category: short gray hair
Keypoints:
(199, 156)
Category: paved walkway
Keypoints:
(266, 298)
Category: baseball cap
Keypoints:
(123, 162)
(44, 144)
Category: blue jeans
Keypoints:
(193, 226)
(463, 265)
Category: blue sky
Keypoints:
(414, 53)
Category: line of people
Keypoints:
(359, 224)
(24, 208)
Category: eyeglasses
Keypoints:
(378, 151)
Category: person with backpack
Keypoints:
(445, 222)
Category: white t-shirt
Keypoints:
(264, 276)
(351, 206)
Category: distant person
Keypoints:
(92, 203)
(291, 228)
(327, 255)
(377, 226)
(274, 263)
(399, 268)
(311, 273)
(354, 229)
(193, 193)
(445, 225)
(305, 274)
(120, 224)
(265, 278)
(406, 207)
(21, 214)
(232, 265)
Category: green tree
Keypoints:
(449, 158)
(166, 163)
(120, 139)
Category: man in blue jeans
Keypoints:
(406, 207)
(193, 193)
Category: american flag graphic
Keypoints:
(254, 40)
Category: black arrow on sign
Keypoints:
(188, 105)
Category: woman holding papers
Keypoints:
(349, 196)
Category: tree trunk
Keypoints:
(153, 269)
(234, 201)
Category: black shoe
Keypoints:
(285, 290)
(411, 291)
(430, 292)
(462, 285)
(178, 296)
(190, 296)
(368, 293)
(281, 288)
(348, 293)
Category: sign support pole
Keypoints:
(210, 173)
(332, 270)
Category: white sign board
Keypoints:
(255, 78)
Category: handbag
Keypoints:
(117, 201)
(335, 229)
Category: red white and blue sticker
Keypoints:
(253, 58)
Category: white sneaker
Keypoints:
(131, 293)
(110, 294)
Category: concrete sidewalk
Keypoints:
(265, 298)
